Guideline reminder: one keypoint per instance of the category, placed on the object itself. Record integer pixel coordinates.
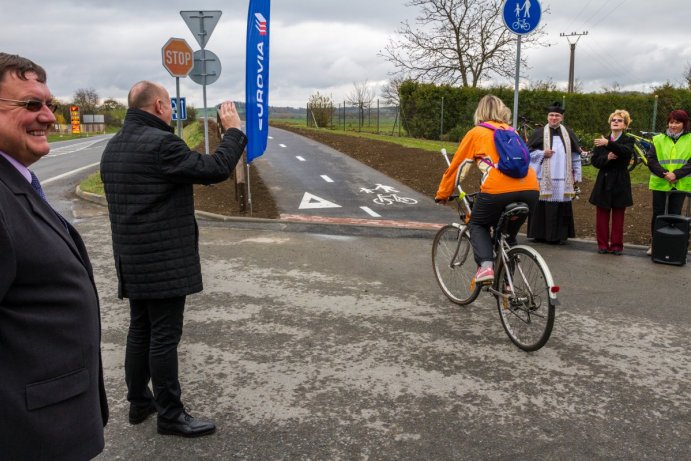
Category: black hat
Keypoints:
(555, 107)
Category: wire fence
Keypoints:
(364, 117)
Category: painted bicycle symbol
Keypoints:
(393, 198)
(387, 196)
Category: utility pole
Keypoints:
(573, 54)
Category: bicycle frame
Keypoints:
(462, 196)
(638, 145)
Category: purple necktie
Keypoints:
(35, 183)
(37, 186)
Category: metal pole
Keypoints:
(206, 121)
(515, 89)
(441, 127)
(178, 106)
(249, 190)
(377, 115)
(654, 122)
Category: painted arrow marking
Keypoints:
(312, 201)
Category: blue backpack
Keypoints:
(514, 159)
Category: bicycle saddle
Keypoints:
(516, 209)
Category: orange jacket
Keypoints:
(476, 145)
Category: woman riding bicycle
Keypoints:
(497, 189)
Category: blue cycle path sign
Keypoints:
(183, 108)
(522, 16)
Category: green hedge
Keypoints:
(586, 114)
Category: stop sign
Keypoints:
(177, 57)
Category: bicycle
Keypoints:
(523, 286)
(640, 147)
(526, 127)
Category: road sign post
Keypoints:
(178, 61)
(521, 17)
(202, 24)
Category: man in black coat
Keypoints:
(52, 399)
(148, 173)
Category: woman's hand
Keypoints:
(670, 177)
(601, 141)
(611, 156)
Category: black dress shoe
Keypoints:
(139, 414)
(185, 426)
(616, 252)
(602, 251)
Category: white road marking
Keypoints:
(283, 145)
(300, 158)
(271, 137)
(326, 178)
(312, 201)
(370, 212)
(69, 173)
(64, 150)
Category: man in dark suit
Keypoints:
(52, 398)
(148, 174)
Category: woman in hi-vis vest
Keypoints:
(669, 161)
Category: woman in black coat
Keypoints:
(612, 190)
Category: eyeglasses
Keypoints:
(33, 105)
(618, 120)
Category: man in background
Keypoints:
(555, 154)
(52, 398)
(148, 174)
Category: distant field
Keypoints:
(426, 144)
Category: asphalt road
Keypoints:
(309, 179)
(308, 345)
(317, 341)
(67, 164)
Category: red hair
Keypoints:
(680, 116)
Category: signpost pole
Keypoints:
(206, 115)
(520, 20)
(178, 105)
(515, 90)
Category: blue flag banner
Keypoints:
(257, 78)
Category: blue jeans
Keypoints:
(152, 354)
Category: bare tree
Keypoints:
(87, 100)
(687, 75)
(361, 97)
(456, 42)
(391, 92)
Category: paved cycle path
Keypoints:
(313, 182)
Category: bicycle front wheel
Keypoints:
(634, 162)
(527, 314)
(454, 266)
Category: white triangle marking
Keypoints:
(312, 201)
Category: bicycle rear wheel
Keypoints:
(454, 266)
(528, 314)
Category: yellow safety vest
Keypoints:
(672, 156)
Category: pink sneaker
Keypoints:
(484, 274)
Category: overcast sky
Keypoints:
(324, 45)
